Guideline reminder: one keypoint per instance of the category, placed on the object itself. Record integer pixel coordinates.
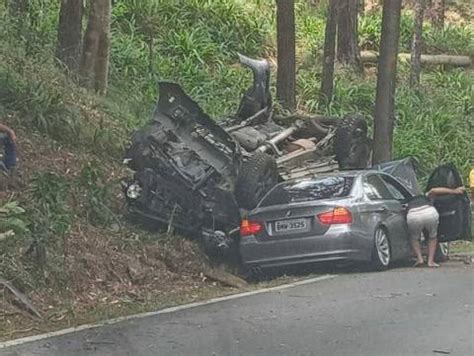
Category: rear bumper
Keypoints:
(338, 244)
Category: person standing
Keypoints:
(423, 217)
(8, 142)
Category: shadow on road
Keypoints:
(327, 268)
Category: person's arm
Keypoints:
(9, 132)
(442, 191)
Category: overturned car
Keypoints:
(196, 175)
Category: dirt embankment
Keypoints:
(93, 272)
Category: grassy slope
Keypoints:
(64, 130)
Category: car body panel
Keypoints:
(206, 160)
(454, 209)
(369, 211)
(353, 241)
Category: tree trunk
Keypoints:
(103, 53)
(68, 49)
(96, 49)
(417, 43)
(437, 13)
(386, 76)
(327, 80)
(347, 39)
(426, 59)
(286, 75)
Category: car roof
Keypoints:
(347, 173)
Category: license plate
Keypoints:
(291, 225)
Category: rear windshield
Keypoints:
(307, 190)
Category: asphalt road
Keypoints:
(404, 311)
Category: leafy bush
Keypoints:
(437, 125)
(455, 39)
(12, 220)
(94, 194)
(35, 91)
(50, 210)
(14, 237)
(148, 45)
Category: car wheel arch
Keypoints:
(376, 262)
(387, 231)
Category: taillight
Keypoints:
(249, 227)
(336, 216)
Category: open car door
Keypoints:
(454, 209)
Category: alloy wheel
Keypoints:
(382, 246)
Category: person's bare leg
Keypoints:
(432, 245)
(415, 244)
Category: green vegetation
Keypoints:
(194, 43)
(433, 123)
(200, 54)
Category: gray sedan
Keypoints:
(354, 215)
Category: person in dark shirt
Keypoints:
(8, 142)
(422, 216)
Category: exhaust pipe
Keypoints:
(273, 142)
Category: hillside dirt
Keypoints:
(95, 272)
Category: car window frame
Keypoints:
(378, 176)
(271, 191)
(387, 179)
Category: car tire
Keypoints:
(257, 176)
(381, 252)
(345, 144)
(442, 252)
(253, 274)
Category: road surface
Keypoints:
(404, 311)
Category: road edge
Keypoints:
(28, 339)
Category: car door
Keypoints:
(402, 195)
(454, 209)
(388, 210)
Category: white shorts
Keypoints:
(424, 218)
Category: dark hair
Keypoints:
(445, 176)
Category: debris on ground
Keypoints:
(21, 298)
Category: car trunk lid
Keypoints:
(294, 221)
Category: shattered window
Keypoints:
(375, 189)
(307, 190)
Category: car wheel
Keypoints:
(442, 252)
(257, 176)
(381, 254)
(253, 274)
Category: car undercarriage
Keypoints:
(198, 176)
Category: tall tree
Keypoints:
(437, 13)
(417, 43)
(68, 49)
(286, 75)
(327, 80)
(386, 76)
(347, 34)
(96, 49)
